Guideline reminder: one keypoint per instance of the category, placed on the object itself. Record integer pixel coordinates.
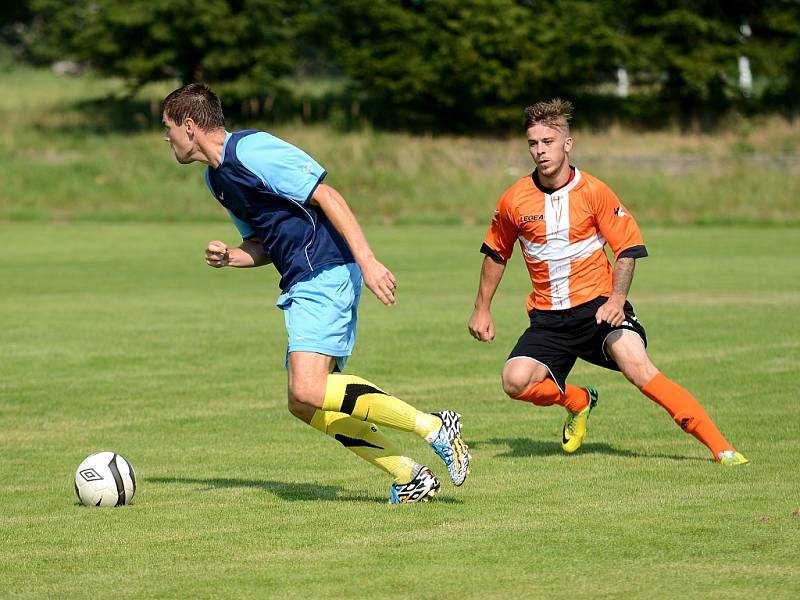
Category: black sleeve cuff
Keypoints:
(634, 252)
(492, 253)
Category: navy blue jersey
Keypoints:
(266, 184)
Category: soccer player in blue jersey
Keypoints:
(275, 195)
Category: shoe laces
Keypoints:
(571, 422)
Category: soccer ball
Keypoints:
(105, 479)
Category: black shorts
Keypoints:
(556, 338)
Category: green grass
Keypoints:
(71, 156)
(116, 336)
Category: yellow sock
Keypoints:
(365, 440)
(367, 402)
(427, 425)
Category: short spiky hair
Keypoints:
(195, 101)
(554, 113)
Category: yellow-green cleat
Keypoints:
(575, 424)
(731, 458)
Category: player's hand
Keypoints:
(380, 280)
(217, 254)
(481, 326)
(612, 312)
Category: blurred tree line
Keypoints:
(455, 65)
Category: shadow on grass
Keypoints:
(521, 447)
(289, 491)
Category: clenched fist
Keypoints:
(217, 254)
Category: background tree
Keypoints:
(690, 50)
(241, 47)
(776, 45)
(454, 65)
(465, 64)
(16, 38)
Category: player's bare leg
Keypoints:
(308, 375)
(365, 401)
(628, 351)
(521, 373)
(316, 393)
(529, 380)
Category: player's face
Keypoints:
(549, 148)
(179, 140)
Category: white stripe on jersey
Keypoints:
(557, 252)
(556, 219)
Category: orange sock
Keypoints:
(686, 411)
(546, 393)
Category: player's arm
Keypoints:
(377, 277)
(497, 246)
(612, 311)
(622, 233)
(481, 325)
(250, 253)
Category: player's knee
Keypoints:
(296, 408)
(304, 412)
(516, 381)
(638, 372)
(513, 388)
(519, 375)
(304, 396)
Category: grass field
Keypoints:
(116, 336)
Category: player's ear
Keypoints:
(568, 144)
(190, 126)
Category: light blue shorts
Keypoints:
(321, 310)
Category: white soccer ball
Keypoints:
(105, 479)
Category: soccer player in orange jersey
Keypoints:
(563, 218)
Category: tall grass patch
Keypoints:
(77, 149)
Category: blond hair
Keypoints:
(555, 113)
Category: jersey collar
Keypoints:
(574, 178)
(224, 148)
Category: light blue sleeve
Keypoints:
(285, 170)
(244, 228)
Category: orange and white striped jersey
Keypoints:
(562, 236)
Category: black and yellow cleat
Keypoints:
(575, 424)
